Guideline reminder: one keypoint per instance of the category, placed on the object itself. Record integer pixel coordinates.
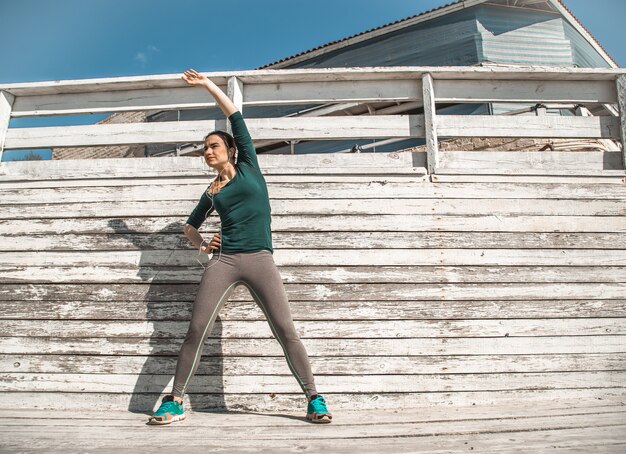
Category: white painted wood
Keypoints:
(345, 223)
(527, 126)
(601, 179)
(139, 99)
(489, 434)
(392, 276)
(380, 346)
(458, 413)
(355, 365)
(6, 105)
(185, 98)
(430, 124)
(334, 91)
(317, 128)
(298, 75)
(621, 102)
(235, 93)
(366, 206)
(370, 383)
(454, 429)
(284, 128)
(399, 403)
(345, 329)
(528, 162)
(405, 291)
(340, 257)
(370, 164)
(525, 91)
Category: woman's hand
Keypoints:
(192, 77)
(214, 244)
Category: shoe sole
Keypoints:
(153, 421)
(323, 418)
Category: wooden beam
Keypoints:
(430, 123)
(6, 103)
(235, 93)
(530, 72)
(284, 128)
(268, 94)
(548, 126)
(621, 102)
(546, 91)
(320, 128)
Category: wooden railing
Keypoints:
(408, 86)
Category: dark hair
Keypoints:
(229, 140)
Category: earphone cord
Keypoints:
(206, 215)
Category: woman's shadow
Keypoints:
(168, 300)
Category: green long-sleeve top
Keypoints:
(243, 203)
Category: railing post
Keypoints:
(235, 93)
(621, 102)
(6, 104)
(430, 123)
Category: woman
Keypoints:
(239, 195)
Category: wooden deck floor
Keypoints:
(597, 426)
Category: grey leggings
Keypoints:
(258, 272)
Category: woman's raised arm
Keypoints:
(192, 77)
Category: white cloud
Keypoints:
(141, 58)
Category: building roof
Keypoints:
(558, 5)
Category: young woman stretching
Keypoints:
(239, 195)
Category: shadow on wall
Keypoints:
(167, 302)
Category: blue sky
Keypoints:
(77, 39)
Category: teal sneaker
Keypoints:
(317, 411)
(169, 412)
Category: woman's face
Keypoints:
(215, 151)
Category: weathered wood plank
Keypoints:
(363, 178)
(320, 168)
(315, 223)
(299, 75)
(611, 404)
(438, 291)
(525, 162)
(164, 240)
(320, 346)
(318, 128)
(527, 91)
(185, 98)
(282, 128)
(370, 383)
(324, 164)
(620, 85)
(549, 126)
(377, 188)
(145, 402)
(280, 207)
(7, 100)
(430, 123)
(356, 365)
(342, 328)
(601, 179)
(330, 257)
(375, 304)
(579, 440)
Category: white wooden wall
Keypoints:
(500, 278)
